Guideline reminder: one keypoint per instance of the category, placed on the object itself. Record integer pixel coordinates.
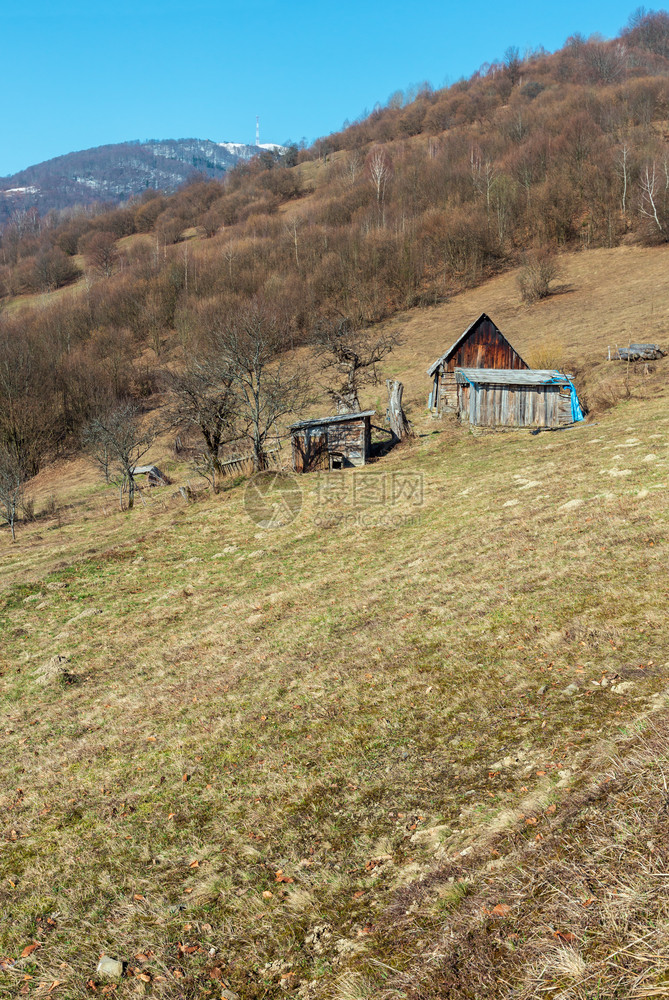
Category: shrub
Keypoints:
(28, 509)
(536, 275)
(52, 269)
(549, 355)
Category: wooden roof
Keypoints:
(509, 376)
(484, 316)
(339, 418)
(148, 470)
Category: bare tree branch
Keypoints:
(117, 442)
(349, 358)
(649, 192)
(12, 481)
(248, 354)
(202, 398)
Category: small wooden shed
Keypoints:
(337, 442)
(495, 397)
(482, 345)
(154, 476)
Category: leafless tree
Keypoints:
(650, 186)
(352, 168)
(249, 350)
(292, 229)
(12, 482)
(100, 252)
(202, 398)
(349, 359)
(379, 166)
(623, 164)
(483, 175)
(27, 406)
(116, 441)
(229, 255)
(604, 63)
(513, 63)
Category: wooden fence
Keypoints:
(243, 464)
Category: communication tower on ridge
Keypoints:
(257, 130)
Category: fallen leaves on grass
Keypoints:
(500, 910)
(565, 936)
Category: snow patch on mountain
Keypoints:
(116, 172)
(21, 190)
(247, 152)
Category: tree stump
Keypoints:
(395, 415)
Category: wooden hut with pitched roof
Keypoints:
(482, 345)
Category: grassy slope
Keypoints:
(355, 706)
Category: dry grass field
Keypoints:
(413, 743)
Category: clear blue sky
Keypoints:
(78, 74)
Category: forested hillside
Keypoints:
(111, 174)
(423, 197)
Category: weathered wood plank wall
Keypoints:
(514, 405)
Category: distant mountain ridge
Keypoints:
(114, 172)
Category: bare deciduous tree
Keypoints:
(650, 186)
(292, 229)
(117, 442)
(623, 165)
(483, 174)
(12, 481)
(203, 398)
(248, 349)
(512, 63)
(349, 358)
(380, 170)
(352, 168)
(100, 252)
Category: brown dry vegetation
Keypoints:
(343, 758)
(426, 197)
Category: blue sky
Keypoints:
(75, 75)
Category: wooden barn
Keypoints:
(482, 345)
(337, 442)
(494, 397)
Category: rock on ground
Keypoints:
(111, 968)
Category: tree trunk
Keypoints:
(348, 402)
(395, 415)
(259, 457)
